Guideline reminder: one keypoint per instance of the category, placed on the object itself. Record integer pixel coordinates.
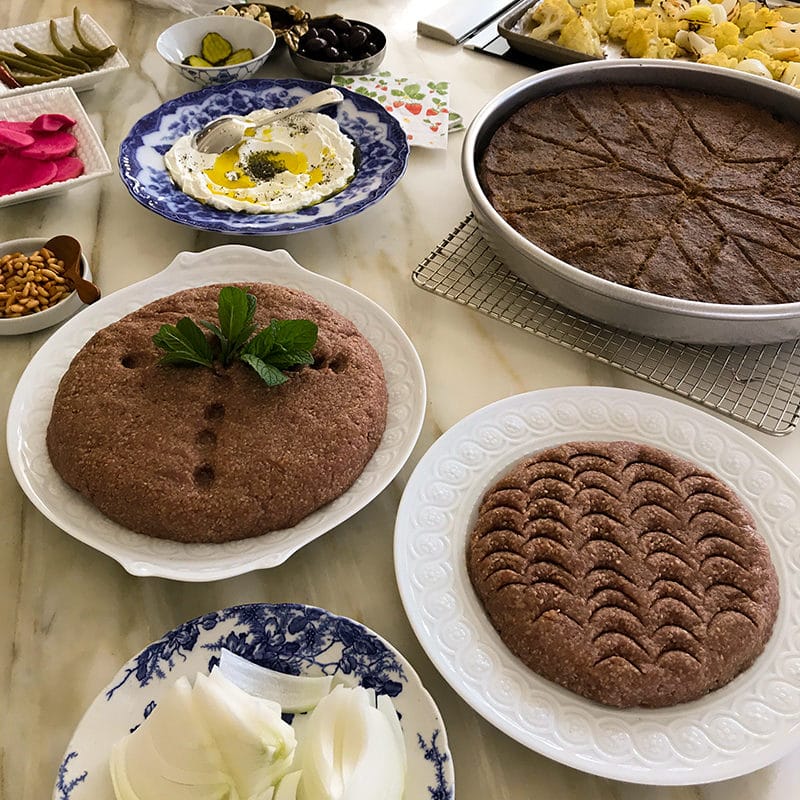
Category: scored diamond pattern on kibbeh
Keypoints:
(670, 191)
(623, 573)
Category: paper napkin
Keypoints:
(421, 107)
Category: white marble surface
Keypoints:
(69, 616)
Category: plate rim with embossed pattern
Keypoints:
(30, 407)
(743, 726)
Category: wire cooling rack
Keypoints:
(756, 385)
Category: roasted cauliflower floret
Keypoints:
(782, 41)
(644, 41)
(622, 22)
(724, 34)
(615, 6)
(598, 16)
(719, 59)
(755, 17)
(548, 17)
(581, 36)
(776, 68)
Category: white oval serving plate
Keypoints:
(29, 414)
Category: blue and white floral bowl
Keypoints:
(185, 39)
(297, 639)
(381, 143)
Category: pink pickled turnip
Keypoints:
(18, 173)
(11, 139)
(68, 167)
(23, 127)
(50, 146)
(50, 123)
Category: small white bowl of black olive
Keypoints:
(337, 46)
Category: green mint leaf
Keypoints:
(269, 374)
(223, 342)
(183, 342)
(186, 357)
(285, 360)
(236, 311)
(295, 334)
(262, 343)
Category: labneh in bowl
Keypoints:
(55, 314)
(622, 306)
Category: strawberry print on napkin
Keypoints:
(422, 108)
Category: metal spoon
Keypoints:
(68, 249)
(224, 132)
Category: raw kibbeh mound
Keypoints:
(670, 191)
(623, 573)
(200, 455)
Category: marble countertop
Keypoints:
(70, 616)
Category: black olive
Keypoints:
(314, 45)
(329, 35)
(330, 53)
(311, 33)
(341, 25)
(358, 38)
(345, 55)
(344, 39)
(370, 48)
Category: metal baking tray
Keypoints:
(547, 50)
(632, 309)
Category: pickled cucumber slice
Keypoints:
(240, 56)
(215, 48)
(196, 61)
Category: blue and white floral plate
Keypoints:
(380, 140)
(297, 639)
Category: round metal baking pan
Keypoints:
(621, 306)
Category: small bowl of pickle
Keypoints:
(334, 45)
(216, 49)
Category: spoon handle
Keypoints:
(317, 100)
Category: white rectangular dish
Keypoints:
(36, 35)
(26, 107)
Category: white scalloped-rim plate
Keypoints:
(29, 414)
(749, 723)
(36, 35)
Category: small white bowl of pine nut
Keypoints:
(33, 292)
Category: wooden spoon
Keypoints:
(68, 249)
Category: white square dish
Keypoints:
(90, 150)
(36, 35)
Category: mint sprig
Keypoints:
(283, 344)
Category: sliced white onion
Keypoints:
(352, 750)
(695, 43)
(754, 67)
(256, 745)
(217, 741)
(138, 772)
(718, 14)
(287, 788)
(295, 694)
